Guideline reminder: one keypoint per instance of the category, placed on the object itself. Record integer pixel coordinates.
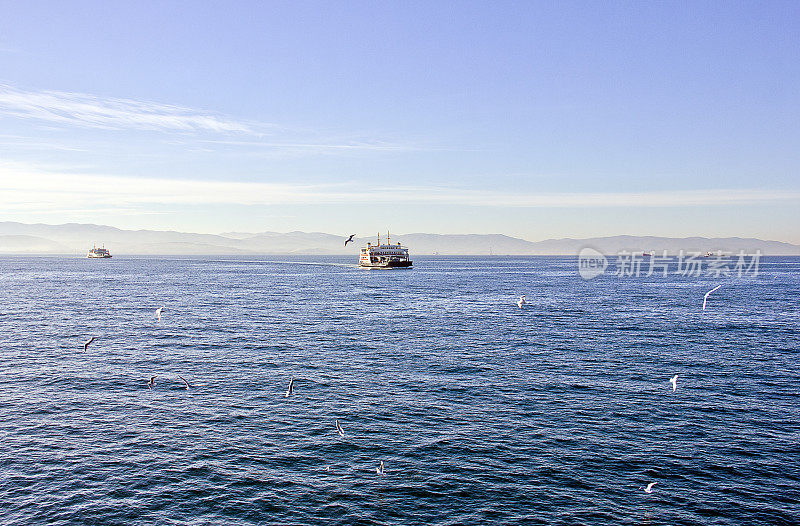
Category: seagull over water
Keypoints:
(159, 311)
(349, 239)
(290, 391)
(379, 470)
(151, 382)
(87, 342)
(521, 301)
(339, 429)
(649, 488)
(184, 381)
(705, 298)
(674, 382)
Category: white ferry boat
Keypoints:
(98, 253)
(384, 256)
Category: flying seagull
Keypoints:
(705, 298)
(521, 301)
(349, 239)
(379, 470)
(151, 382)
(290, 391)
(339, 429)
(184, 381)
(87, 342)
(674, 382)
(649, 488)
(159, 311)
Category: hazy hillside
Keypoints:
(78, 238)
(19, 238)
(30, 244)
(612, 245)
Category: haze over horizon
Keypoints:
(339, 236)
(569, 120)
(73, 238)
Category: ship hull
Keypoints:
(389, 264)
(99, 257)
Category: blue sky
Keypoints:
(532, 119)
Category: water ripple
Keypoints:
(483, 413)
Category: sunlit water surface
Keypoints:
(484, 413)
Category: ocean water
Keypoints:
(483, 413)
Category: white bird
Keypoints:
(151, 382)
(674, 382)
(521, 301)
(87, 342)
(339, 429)
(649, 488)
(291, 388)
(705, 298)
(184, 381)
(159, 311)
(379, 470)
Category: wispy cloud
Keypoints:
(19, 142)
(80, 109)
(354, 145)
(200, 130)
(27, 187)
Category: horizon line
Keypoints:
(254, 234)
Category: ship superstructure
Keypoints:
(384, 255)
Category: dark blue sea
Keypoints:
(559, 412)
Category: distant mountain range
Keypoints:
(72, 238)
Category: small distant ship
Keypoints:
(707, 255)
(384, 256)
(98, 252)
